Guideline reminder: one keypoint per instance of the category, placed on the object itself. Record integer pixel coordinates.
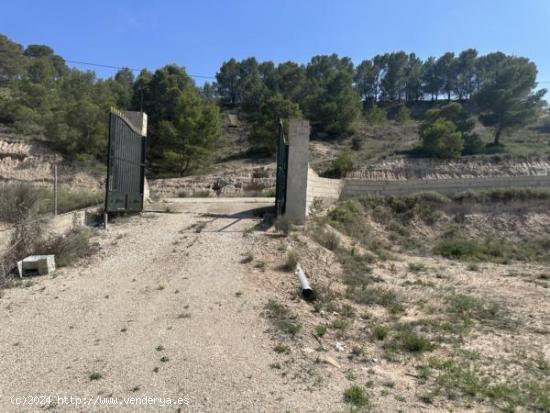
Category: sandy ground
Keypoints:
(162, 311)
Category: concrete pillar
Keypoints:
(298, 160)
(137, 119)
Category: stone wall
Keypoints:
(402, 168)
(357, 187)
(226, 184)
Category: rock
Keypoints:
(339, 346)
(329, 360)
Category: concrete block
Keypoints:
(36, 265)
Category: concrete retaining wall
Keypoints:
(63, 223)
(304, 186)
(54, 225)
(355, 187)
(324, 189)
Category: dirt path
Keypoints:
(163, 312)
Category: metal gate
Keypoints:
(282, 169)
(125, 165)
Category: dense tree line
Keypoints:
(321, 90)
(69, 107)
(331, 92)
(41, 95)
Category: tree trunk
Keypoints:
(183, 167)
(497, 135)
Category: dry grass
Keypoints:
(18, 202)
(21, 200)
(281, 317)
(457, 328)
(23, 205)
(292, 259)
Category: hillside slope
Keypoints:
(24, 159)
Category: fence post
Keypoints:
(55, 189)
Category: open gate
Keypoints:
(282, 170)
(126, 162)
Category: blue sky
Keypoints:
(200, 35)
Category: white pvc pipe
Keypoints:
(307, 291)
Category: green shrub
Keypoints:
(356, 396)
(357, 143)
(347, 310)
(403, 209)
(340, 324)
(19, 201)
(292, 259)
(281, 348)
(357, 269)
(376, 115)
(349, 217)
(380, 332)
(95, 376)
(467, 308)
(441, 139)
(473, 144)
(327, 238)
(496, 250)
(372, 295)
(430, 197)
(463, 378)
(403, 114)
(343, 163)
(502, 195)
(458, 248)
(326, 299)
(70, 247)
(282, 319)
(413, 343)
(346, 212)
(23, 242)
(320, 330)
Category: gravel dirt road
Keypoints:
(164, 311)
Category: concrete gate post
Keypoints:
(297, 175)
